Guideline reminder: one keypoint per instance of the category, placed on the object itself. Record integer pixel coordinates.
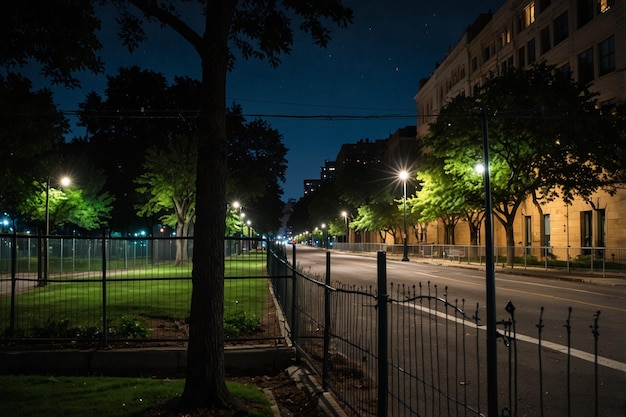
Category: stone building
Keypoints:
(584, 37)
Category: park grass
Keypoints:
(102, 396)
(160, 291)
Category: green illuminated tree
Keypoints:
(547, 140)
(257, 29)
(380, 218)
(169, 181)
(71, 205)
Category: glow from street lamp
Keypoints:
(66, 181)
(479, 168)
(404, 175)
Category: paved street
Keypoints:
(529, 293)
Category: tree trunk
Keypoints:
(179, 244)
(510, 242)
(205, 384)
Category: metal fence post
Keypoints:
(326, 359)
(383, 371)
(294, 300)
(13, 281)
(105, 325)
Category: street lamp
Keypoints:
(404, 176)
(344, 214)
(324, 245)
(65, 181)
(490, 280)
(249, 223)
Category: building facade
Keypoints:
(584, 37)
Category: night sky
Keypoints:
(365, 80)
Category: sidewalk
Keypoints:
(595, 277)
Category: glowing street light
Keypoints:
(404, 176)
(65, 181)
(344, 214)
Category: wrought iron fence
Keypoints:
(107, 290)
(595, 260)
(409, 351)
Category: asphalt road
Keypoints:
(529, 293)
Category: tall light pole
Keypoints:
(237, 206)
(344, 214)
(490, 281)
(249, 223)
(404, 176)
(324, 245)
(65, 181)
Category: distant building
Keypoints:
(311, 185)
(364, 151)
(328, 171)
(584, 37)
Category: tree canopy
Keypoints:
(258, 29)
(547, 140)
(31, 133)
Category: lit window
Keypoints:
(605, 5)
(529, 15)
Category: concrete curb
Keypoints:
(140, 361)
(323, 400)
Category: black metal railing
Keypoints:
(106, 290)
(398, 350)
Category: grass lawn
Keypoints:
(74, 302)
(102, 396)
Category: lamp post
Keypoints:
(324, 245)
(490, 281)
(65, 181)
(249, 223)
(344, 214)
(404, 175)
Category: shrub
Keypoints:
(241, 323)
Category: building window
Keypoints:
(605, 5)
(474, 63)
(546, 232)
(585, 66)
(565, 69)
(545, 40)
(601, 242)
(521, 57)
(561, 28)
(543, 5)
(532, 51)
(528, 235)
(486, 54)
(528, 16)
(586, 231)
(505, 37)
(585, 11)
(606, 52)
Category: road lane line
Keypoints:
(580, 354)
(553, 297)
